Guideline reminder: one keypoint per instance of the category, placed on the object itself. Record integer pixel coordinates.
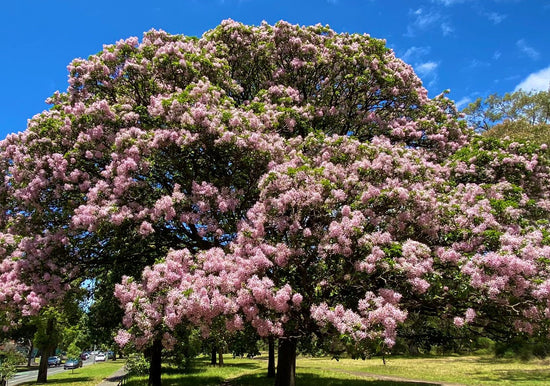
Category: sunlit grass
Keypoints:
(85, 376)
(245, 372)
(466, 370)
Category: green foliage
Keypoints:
(523, 348)
(244, 343)
(9, 358)
(137, 364)
(188, 347)
(73, 351)
(49, 330)
(521, 131)
(529, 109)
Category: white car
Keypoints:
(100, 357)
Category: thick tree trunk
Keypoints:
(286, 363)
(213, 356)
(271, 358)
(220, 356)
(47, 351)
(155, 369)
(43, 367)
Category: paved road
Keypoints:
(30, 376)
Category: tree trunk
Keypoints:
(155, 369)
(213, 356)
(271, 358)
(43, 367)
(31, 349)
(47, 350)
(220, 356)
(286, 363)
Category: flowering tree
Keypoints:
(288, 177)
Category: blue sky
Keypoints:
(472, 47)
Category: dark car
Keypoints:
(54, 361)
(72, 363)
(84, 356)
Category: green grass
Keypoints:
(204, 374)
(245, 372)
(466, 370)
(85, 376)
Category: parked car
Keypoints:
(72, 363)
(100, 357)
(54, 361)
(84, 356)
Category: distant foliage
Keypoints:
(527, 109)
(521, 131)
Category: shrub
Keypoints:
(137, 364)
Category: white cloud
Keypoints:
(426, 69)
(527, 50)
(476, 63)
(497, 55)
(496, 18)
(413, 54)
(463, 102)
(448, 2)
(537, 81)
(447, 29)
(424, 20)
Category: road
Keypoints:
(30, 376)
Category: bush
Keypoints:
(137, 364)
(9, 358)
(484, 345)
(187, 349)
(523, 349)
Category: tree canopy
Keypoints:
(526, 108)
(291, 178)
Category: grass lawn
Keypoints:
(466, 370)
(244, 372)
(85, 376)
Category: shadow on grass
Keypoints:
(60, 381)
(516, 376)
(201, 366)
(262, 380)
(172, 376)
(195, 380)
(316, 380)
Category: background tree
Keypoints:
(517, 109)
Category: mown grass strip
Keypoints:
(85, 376)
